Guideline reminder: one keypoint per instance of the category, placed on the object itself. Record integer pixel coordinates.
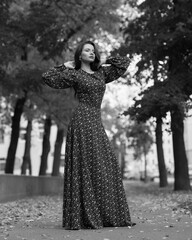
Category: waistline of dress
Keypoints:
(87, 105)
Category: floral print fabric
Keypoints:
(94, 196)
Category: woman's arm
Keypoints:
(62, 76)
(118, 67)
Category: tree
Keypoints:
(57, 151)
(25, 81)
(46, 145)
(141, 139)
(9, 167)
(58, 105)
(160, 153)
(30, 113)
(163, 35)
(27, 157)
(116, 124)
(156, 101)
(14, 57)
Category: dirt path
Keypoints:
(158, 213)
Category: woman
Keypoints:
(94, 196)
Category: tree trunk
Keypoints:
(122, 160)
(159, 140)
(57, 152)
(145, 170)
(182, 181)
(10, 161)
(27, 157)
(46, 146)
(160, 154)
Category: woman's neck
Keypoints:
(86, 67)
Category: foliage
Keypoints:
(49, 25)
(155, 208)
(40, 30)
(162, 37)
(157, 100)
(57, 104)
(6, 36)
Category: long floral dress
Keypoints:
(94, 196)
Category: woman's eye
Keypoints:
(89, 50)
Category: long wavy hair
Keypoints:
(94, 65)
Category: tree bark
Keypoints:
(122, 159)
(10, 161)
(46, 146)
(27, 156)
(160, 154)
(182, 181)
(57, 151)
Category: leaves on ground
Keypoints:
(148, 205)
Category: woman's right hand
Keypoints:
(70, 64)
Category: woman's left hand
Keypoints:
(103, 59)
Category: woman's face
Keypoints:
(88, 53)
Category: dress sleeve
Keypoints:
(59, 77)
(118, 66)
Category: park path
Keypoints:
(158, 213)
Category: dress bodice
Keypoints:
(90, 88)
